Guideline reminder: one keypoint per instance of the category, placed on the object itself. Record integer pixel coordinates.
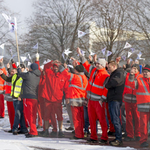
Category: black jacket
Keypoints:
(30, 84)
(115, 85)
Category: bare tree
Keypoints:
(55, 24)
(112, 25)
(140, 18)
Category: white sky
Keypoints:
(23, 7)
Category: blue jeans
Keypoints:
(19, 117)
(86, 120)
(114, 110)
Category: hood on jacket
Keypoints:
(37, 72)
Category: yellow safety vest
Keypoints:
(15, 91)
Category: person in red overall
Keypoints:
(9, 99)
(96, 93)
(76, 97)
(2, 90)
(129, 97)
(143, 103)
(53, 90)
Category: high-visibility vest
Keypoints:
(143, 91)
(96, 87)
(77, 89)
(129, 88)
(15, 91)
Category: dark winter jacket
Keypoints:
(30, 84)
(115, 85)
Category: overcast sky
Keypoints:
(23, 7)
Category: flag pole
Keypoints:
(17, 47)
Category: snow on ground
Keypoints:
(8, 141)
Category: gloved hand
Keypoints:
(37, 56)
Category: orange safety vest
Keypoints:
(143, 91)
(2, 82)
(77, 89)
(96, 87)
(129, 88)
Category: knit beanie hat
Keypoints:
(137, 66)
(79, 68)
(34, 66)
(147, 67)
(102, 62)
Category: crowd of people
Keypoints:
(94, 90)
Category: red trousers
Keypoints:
(144, 119)
(96, 111)
(11, 113)
(132, 110)
(30, 110)
(78, 120)
(40, 122)
(2, 107)
(111, 126)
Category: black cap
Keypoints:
(79, 68)
(22, 65)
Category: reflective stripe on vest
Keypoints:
(71, 77)
(100, 87)
(93, 96)
(127, 86)
(146, 91)
(18, 85)
(77, 101)
(81, 88)
(1, 84)
(90, 69)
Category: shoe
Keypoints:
(1, 117)
(73, 131)
(101, 141)
(20, 132)
(68, 121)
(61, 134)
(30, 135)
(128, 139)
(116, 143)
(39, 127)
(40, 133)
(92, 141)
(74, 137)
(111, 133)
(86, 134)
(137, 138)
(144, 144)
(53, 134)
(9, 131)
(15, 133)
(45, 133)
(70, 128)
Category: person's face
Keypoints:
(111, 68)
(134, 70)
(146, 74)
(55, 69)
(98, 66)
(22, 69)
(13, 71)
